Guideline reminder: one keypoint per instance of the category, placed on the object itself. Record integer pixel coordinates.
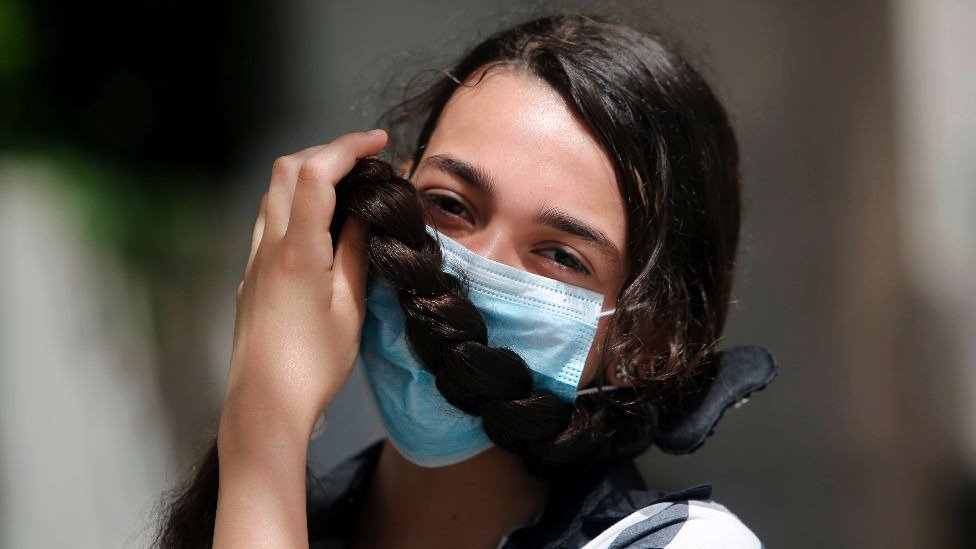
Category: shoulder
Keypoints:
(680, 524)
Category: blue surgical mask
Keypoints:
(550, 324)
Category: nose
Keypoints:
(495, 244)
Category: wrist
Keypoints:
(248, 434)
(262, 482)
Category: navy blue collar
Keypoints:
(728, 378)
(581, 508)
(578, 508)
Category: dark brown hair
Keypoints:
(676, 163)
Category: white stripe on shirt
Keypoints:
(709, 524)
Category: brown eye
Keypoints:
(448, 206)
(566, 260)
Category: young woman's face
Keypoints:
(512, 174)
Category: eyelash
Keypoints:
(576, 266)
(437, 200)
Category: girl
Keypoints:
(536, 306)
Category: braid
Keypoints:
(448, 333)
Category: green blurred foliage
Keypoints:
(17, 51)
(140, 109)
(151, 231)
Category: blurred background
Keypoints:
(136, 139)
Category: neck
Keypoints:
(470, 504)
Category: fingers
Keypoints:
(284, 175)
(351, 265)
(314, 195)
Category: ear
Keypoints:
(405, 168)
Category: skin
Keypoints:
(290, 323)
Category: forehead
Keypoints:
(514, 125)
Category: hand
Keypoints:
(300, 307)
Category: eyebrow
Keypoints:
(562, 221)
(475, 176)
(558, 219)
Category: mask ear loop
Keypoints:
(593, 390)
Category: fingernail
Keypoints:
(376, 132)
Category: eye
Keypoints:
(448, 206)
(566, 260)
